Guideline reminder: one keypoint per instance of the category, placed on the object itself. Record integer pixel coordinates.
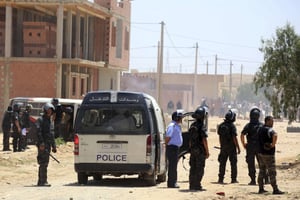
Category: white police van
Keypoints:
(120, 133)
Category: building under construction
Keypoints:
(55, 48)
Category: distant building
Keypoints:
(62, 48)
(180, 91)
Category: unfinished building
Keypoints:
(54, 48)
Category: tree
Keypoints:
(246, 92)
(281, 72)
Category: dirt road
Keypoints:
(18, 176)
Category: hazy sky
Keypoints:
(231, 29)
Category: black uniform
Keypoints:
(198, 154)
(7, 124)
(58, 121)
(25, 125)
(251, 132)
(46, 138)
(17, 142)
(227, 132)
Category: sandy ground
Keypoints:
(18, 175)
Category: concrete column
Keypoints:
(69, 34)
(77, 36)
(91, 39)
(59, 31)
(8, 45)
(59, 44)
(8, 31)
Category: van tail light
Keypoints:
(149, 146)
(76, 145)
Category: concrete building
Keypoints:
(55, 48)
(185, 91)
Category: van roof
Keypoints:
(112, 96)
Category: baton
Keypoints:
(52, 156)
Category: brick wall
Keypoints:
(39, 79)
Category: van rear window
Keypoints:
(111, 119)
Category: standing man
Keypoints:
(267, 141)
(16, 128)
(229, 147)
(7, 124)
(58, 114)
(45, 143)
(199, 149)
(173, 141)
(250, 130)
(25, 125)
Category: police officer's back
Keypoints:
(198, 148)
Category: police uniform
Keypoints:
(198, 154)
(26, 126)
(250, 130)
(227, 132)
(17, 142)
(174, 133)
(46, 138)
(7, 123)
(266, 158)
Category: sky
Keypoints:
(230, 29)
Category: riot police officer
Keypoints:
(198, 148)
(45, 143)
(58, 114)
(229, 146)
(250, 130)
(17, 146)
(7, 124)
(25, 125)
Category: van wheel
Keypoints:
(97, 177)
(82, 178)
(151, 179)
(162, 177)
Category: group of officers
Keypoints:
(17, 124)
(259, 143)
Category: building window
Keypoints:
(82, 86)
(113, 35)
(119, 38)
(127, 39)
(73, 86)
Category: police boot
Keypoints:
(252, 182)
(221, 181)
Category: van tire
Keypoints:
(82, 178)
(162, 177)
(150, 179)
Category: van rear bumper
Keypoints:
(109, 168)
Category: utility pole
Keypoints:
(230, 82)
(216, 77)
(206, 67)
(160, 64)
(241, 81)
(195, 77)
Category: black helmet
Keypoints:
(199, 113)
(177, 115)
(48, 106)
(9, 109)
(254, 113)
(17, 107)
(55, 101)
(230, 116)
